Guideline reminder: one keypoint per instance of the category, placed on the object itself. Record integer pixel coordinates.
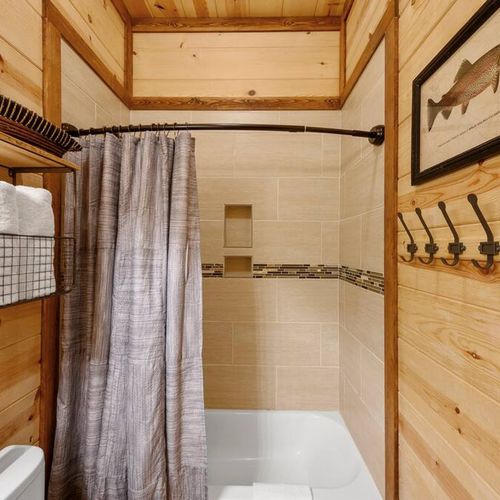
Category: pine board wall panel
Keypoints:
(101, 26)
(449, 318)
(20, 326)
(21, 71)
(363, 18)
(236, 64)
(21, 52)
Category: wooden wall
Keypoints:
(100, 25)
(360, 25)
(449, 318)
(20, 326)
(236, 65)
(21, 72)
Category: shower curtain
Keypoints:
(130, 412)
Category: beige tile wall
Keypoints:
(269, 343)
(361, 332)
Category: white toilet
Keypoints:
(22, 473)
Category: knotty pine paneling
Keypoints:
(101, 26)
(236, 64)
(223, 8)
(448, 317)
(363, 18)
(21, 52)
(20, 335)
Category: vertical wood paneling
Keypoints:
(448, 317)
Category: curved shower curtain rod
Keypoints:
(375, 135)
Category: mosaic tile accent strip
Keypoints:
(212, 270)
(369, 280)
(301, 271)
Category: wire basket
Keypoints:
(35, 267)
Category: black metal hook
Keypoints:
(410, 247)
(490, 248)
(456, 247)
(431, 248)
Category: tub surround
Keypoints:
(361, 331)
(270, 340)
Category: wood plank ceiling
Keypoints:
(233, 8)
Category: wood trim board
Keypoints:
(50, 307)
(234, 24)
(391, 261)
(224, 103)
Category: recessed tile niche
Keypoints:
(237, 266)
(238, 226)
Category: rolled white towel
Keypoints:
(264, 491)
(9, 245)
(36, 218)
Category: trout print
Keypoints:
(471, 80)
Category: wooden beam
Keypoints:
(342, 55)
(50, 307)
(84, 51)
(234, 24)
(224, 103)
(347, 9)
(391, 261)
(122, 10)
(370, 49)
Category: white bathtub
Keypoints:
(290, 447)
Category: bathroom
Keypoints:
(302, 302)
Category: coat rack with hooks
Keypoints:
(489, 248)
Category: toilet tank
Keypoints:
(22, 473)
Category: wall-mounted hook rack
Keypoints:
(430, 248)
(490, 247)
(456, 247)
(410, 247)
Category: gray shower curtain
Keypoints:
(130, 413)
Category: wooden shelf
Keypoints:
(19, 156)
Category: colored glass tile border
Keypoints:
(368, 280)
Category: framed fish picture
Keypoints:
(456, 100)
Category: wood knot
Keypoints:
(251, 92)
(159, 6)
(459, 430)
(473, 355)
(90, 18)
(457, 410)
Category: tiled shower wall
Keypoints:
(269, 341)
(361, 332)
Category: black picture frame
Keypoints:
(481, 152)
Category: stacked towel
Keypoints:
(27, 245)
(263, 491)
(36, 218)
(9, 251)
(9, 218)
